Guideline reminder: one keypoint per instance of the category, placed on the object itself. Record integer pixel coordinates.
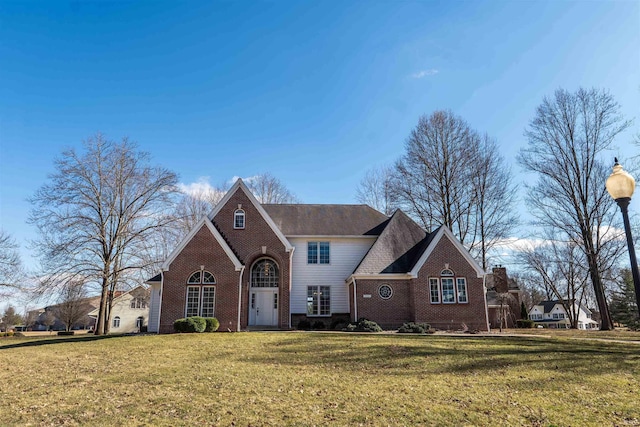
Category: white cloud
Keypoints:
(424, 73)
(196, 189)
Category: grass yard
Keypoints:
(305, 379)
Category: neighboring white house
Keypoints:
(552, 314)
(130, 311)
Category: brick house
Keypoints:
(255, 266)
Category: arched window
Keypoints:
(200, 298)
(238, 218)
(116, 322)
(139, 322)
(265, 274)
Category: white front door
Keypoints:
(263, 307)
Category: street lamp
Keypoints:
(620, 186)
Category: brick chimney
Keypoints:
(500, 281)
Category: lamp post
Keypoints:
(620, 186)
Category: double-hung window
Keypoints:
(434, 289)
(318, 300)
(318, 253)
(238, 219)
(462, 290)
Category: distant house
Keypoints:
(273, 266)
(129, 312)
(48, 318)
(552, 314)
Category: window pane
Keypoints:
(325, 300)
(312, 252)
(312, 300)
(193, 301)
(238, 221)
(435, 291)
(195, 278)
(462, 290)
(324, 252)
(208, 301)
(448, 293)
(116, 322)
(208, 278)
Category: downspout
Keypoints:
(160, 307)
(355, 301)
(293, 248)
(240, 297)
(486, 308)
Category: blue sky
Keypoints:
(314, 92)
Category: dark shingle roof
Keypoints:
(326, 220)
(397, 249)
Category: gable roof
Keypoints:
(326, 220)
(396, 249)
(239, 185)
(216, 234)
(433, 239)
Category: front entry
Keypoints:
(264, 307)
(263, 295)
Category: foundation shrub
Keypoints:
(318, 324)
(212, 324)
(415, 328)
(363, 325)
(524, 323)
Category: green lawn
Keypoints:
(275, 379)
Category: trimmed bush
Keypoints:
(524, 323)
(363, 325)
(212, 324)
(304, 325)
(190, 324)
(318, 324)
(414, 328)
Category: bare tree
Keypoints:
(270, 190)
(97, 215)
(73, 306)
(10, 265)
(567, 138)
(561, 271)
(450, 175)
(505, 311)
(376, 189)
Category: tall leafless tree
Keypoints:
(376, 189)
(450, 175)
(560, 270)
(566, 141)
(97, 214)
(270, 190)
(10, 265)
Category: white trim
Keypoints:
(290, 281)
(160, 299)
(329, 236)
(355, 300)
(444, 231)
(204, 221)
(379, 276)
(240, 298)
(234, 188)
